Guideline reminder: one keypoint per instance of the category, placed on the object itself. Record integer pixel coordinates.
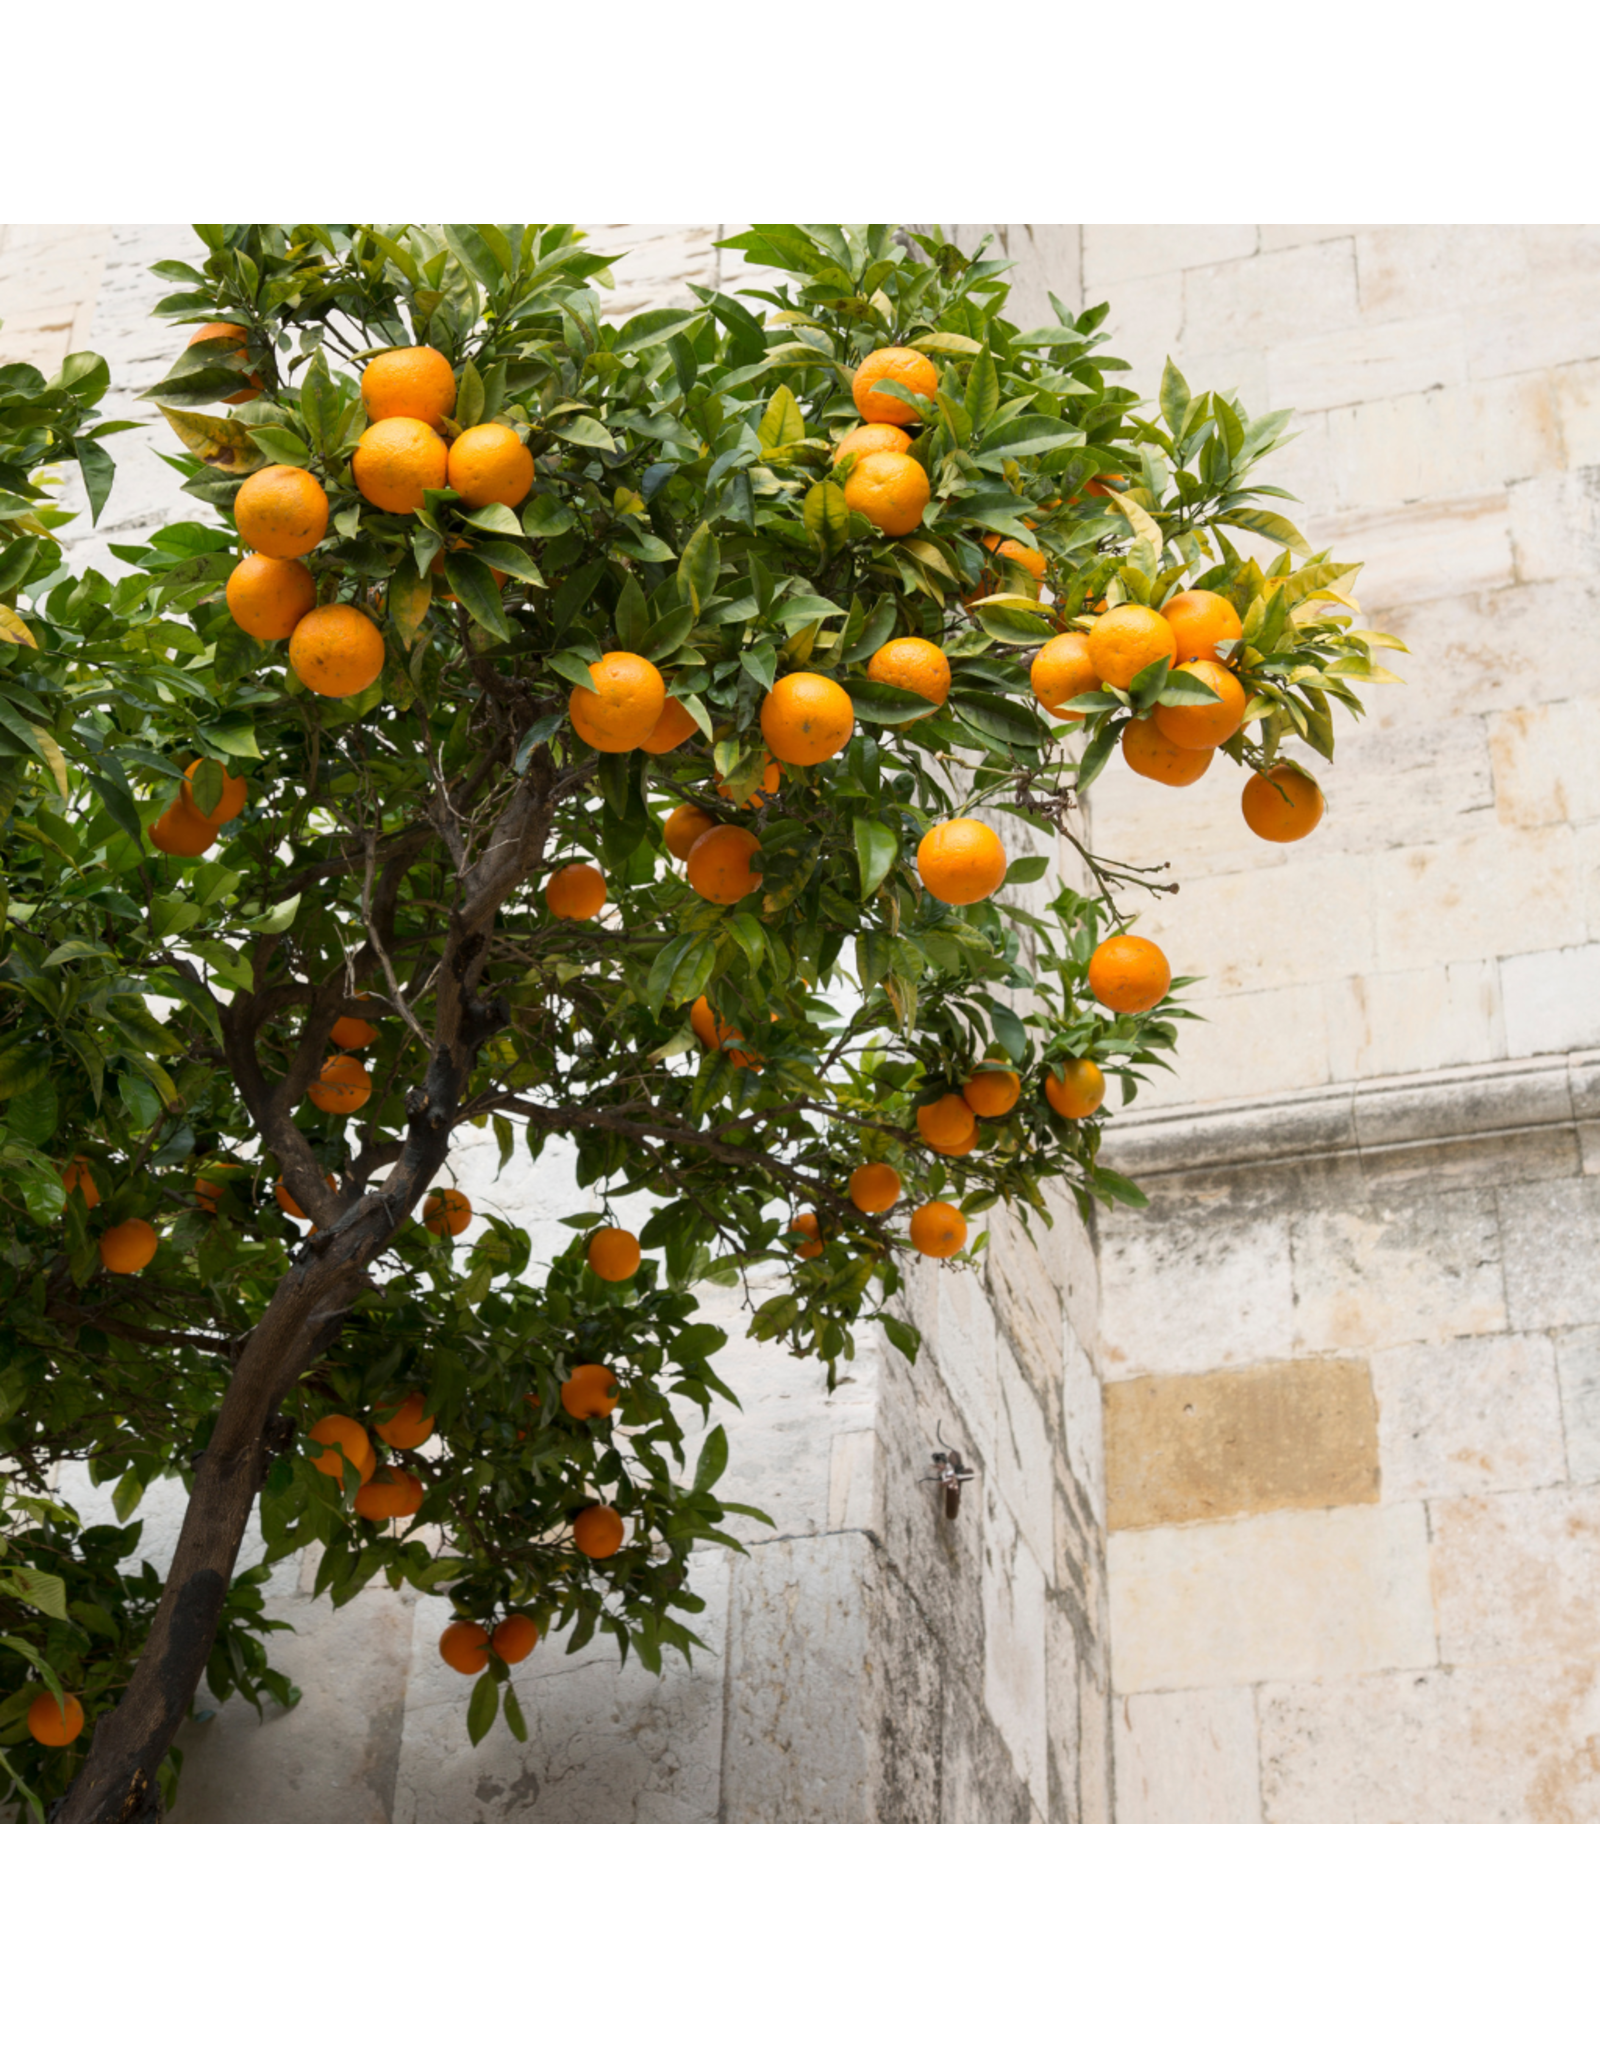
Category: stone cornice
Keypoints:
(1452, 1105)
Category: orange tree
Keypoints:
(598, 734)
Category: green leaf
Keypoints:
(1270, 525)
(1031, 867)
(1174, 397)
(633, 616)
(783, 421)
(906, 1340)
(881, 704)
(495, 519)
(827, 517)
(97, 470)
(712, 1461)
(583, 431)
(877, 848)
(38, 1589)
(473, 582)
(513, 1713)
(482, 1708)
(698, 568)
(1010, 1032)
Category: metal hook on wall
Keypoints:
(950, 1472)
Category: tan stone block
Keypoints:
(1187, 1756)
(1305, 921)
(1083, 1425)
(1577, 390)
(1551, 1234)
(1516, 1576)
(1546, 762)
(1418, 552)
(1014, 1679)
(1191, 1296)
(1095, 1750)
(1242, 371)
(1555, 534)
(1476, 1415)
(1552, 1000)
(1295, 1595)
(1450, 443)
(1145, 325)
(851, 1471)
(1205, 1446)
(1022, 1471)
(1272, 298)
(1358, 365)
(1402, 1023)
(1113, 255)
(1504, 892)
(1411, 272)
(1414, 1266)
(1578, 1367)
(1513, 1744)
(1025, 1302)
(1533, 330)
(1284, 1028)
(1499, 648)
(1292, 237)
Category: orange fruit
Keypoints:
(1129, 974)
(1199, 619)
(957, 1151)
(342, 1087)
(1061, 671)
(226, 330)
(514, 1638)
(446, 1210)
(1148, 752)
(874, 1188)
(1204, 725)
(715, 1036)
(613, 1253)
(1127, 639)
(622, 710)
(182, 832)
(671, 729)
(771, 777)
(915, 665)
(490, 466)
(1101, 486)
(408, 1428)
(992, 1091)
(1080, 1094)
(281, 511)
(352, 1034)
(128, 1247)
(577, 892)
(589, 1392)
(938, 1230)
(336, 651)
(345, 1439)
(396, 461)
(409, 384)
(77, 1175)
(949, 1121)
(961, 861)
(387, 1493)
(891, 491)
(905, 366)
(809, 1231)
(1028, 559)
(268, 598)
(49, 1725)
(1283, 805)
(598, 1531)
(464, 1646)
(718, 867)
(683, 827)
(287, 1203)
(235, 795)
(206, 1194)
(806, 719)
(878, 437)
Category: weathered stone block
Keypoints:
(1113, 255)
(1411, 272)
(1187, 1756)
(1578, 1369)
(1449, 443)
(1417, 553)
(1550, 1234)
(1410, 1022)
(1022, 1471)
(1516, 1576)
(1477, 1415)
(1427, 1266)
(1190, 1293)
(1014, 1681)
(1509, 892)
(1552, 1000)
(1358, 365)
(1266, 300)
(1546, 763)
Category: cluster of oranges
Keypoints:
(184, 829)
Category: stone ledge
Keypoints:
(1355, 1118)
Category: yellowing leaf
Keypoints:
(224, 444)
(55, 757)
(13, 632)
(947, 345)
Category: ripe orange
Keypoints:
(1205, 725)
(409, 384)
(226, 330)
(1282, 805)
(235, 795)
(268, 598)
(49, 1725)
(281, 512)
(1199, 619)
(352, 1034)
(1148, 752)
(577, 892)
(915, 665)
(128, 1247)
(683, 827)
(718, 867)
(621, 711)
(938, 1230)
(1127, 639)
(396, 461)
(874, 1188)
(207, 1194)
(905, 366)
(613, 1253)
(671, 729)
(182, 832)
(992, 1091)
(771, 777)
(287, 1203)
(961, 861)
(346, 1439)
(77, 1175)
(590, 1392)
(336, 651)
(1080, 1094)
(809, 1231)
(1061, 671)
(806, 718)
(464, 1646)
(1129, 974)
(342, 1087)
(387, 1493)
(891, 491)
(514, 1638)
(716, 1036)
(876, 438)
(446, 1209)
(947, 1122)
(598, 1531)
(1028, 559)
(490, 466)
(408, 1428)
(1097, 486)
